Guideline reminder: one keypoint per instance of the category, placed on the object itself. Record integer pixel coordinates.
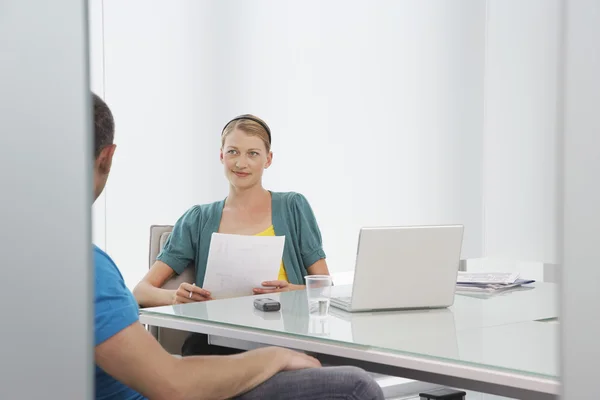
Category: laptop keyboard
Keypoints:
(344, 300)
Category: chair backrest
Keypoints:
(158, 237)
(170, 339)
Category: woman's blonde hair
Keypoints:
(250, 125)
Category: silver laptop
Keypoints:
(412, 267)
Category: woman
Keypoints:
(249, 209)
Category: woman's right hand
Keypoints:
(188, 293)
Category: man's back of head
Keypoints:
(104, 148)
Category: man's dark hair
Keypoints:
(104, 125)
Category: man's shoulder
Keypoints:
(108, 278)
(115, 307)
(101, 254)
(103, 264)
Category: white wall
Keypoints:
(375, 96)
(376, 112)
(159, 76)
(520, 130)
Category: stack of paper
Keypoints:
(237, 264)
(488, 282)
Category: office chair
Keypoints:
(170, 339)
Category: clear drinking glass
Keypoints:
(318, 326)
(318, 291)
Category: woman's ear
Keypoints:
(269, 160)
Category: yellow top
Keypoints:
(270, 231)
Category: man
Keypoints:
(131, 364)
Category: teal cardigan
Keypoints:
(292, 217)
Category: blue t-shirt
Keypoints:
(115, 309)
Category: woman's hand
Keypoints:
(276, 287)
(188, 293)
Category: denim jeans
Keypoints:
(343, 383)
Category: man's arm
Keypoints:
(135, 358)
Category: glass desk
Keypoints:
(496, 345)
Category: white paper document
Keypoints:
(487, 277)
(238, 263)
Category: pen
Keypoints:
(193, 284)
